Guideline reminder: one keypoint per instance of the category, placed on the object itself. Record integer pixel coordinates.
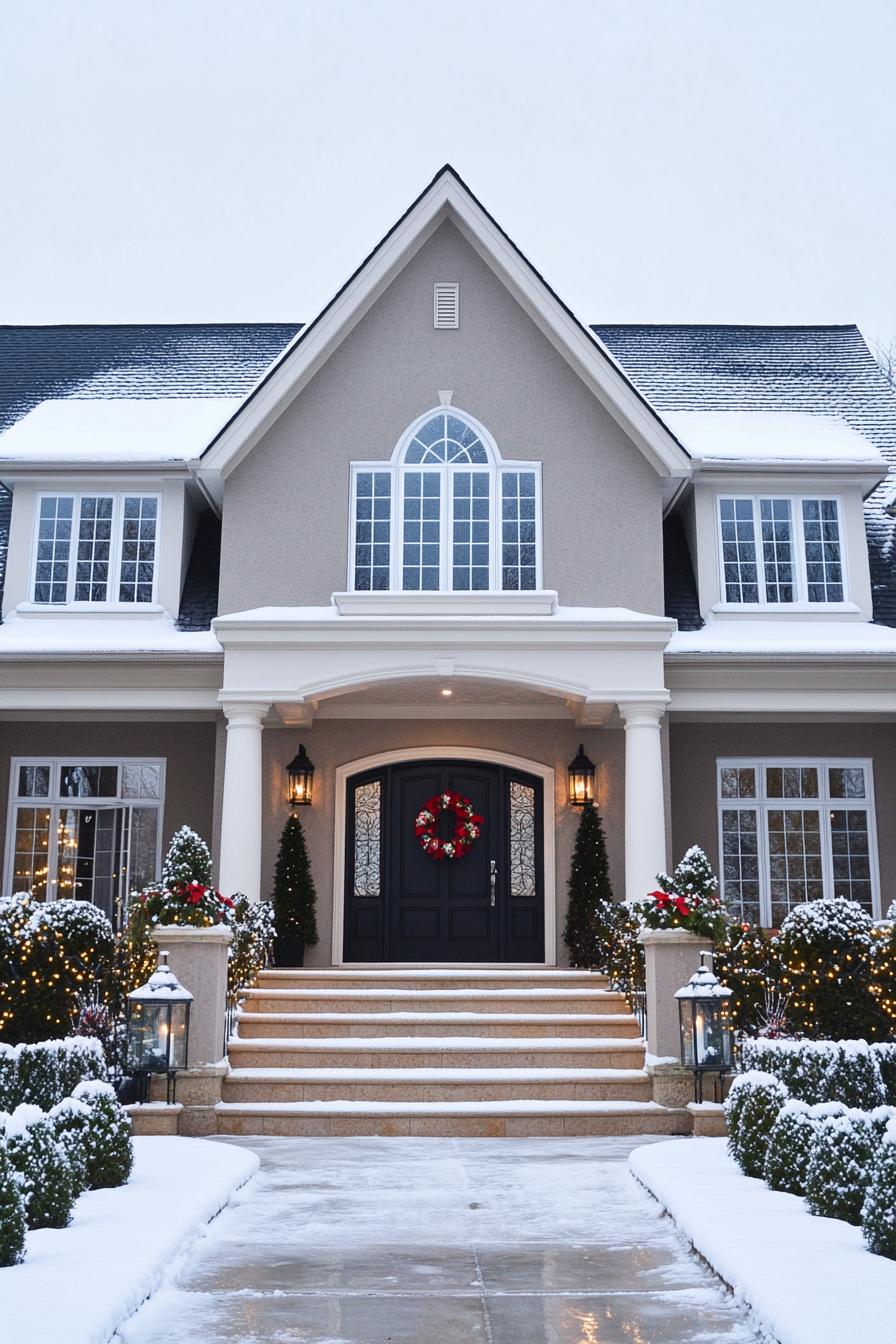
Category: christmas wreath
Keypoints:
(466, 831)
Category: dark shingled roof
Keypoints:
(209, 359)
(815, 370)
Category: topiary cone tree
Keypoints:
(294, 897)
(589, 889)
(188, 860)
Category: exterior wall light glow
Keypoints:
(299, 779)
(704, 1023)
(581, 779)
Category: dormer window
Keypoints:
(447, 514)
(780, 550)
(95, 548)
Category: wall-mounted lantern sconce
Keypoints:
(581, 779)
(299, 779)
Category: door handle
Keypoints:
(493, 874)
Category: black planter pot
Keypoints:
(289, 950)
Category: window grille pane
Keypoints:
(523, 868)
(445, 438)
(792, 781)
(34, 781)
(824, 568)
(88, 781)
(740, 863)
(368, 831)
(373, 530)
(847, 781)
(421, 541)
(54, 539)
(795, 863)
(739, 550)
(738, 782)
(518, 527)
(850, 855)
(139, 779)
(138, 548)
(31, 848)
(94, 547)
(777, 549)
(470, 551)
(143, 850)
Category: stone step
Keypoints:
(421, 1052)
(473, 1119)
(326, 1000)
(436, 978)
(446, 1084)
(470, 1025)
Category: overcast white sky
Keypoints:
(666, 160)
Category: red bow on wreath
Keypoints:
(467, 830)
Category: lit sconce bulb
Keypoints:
(446, 691)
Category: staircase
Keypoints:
(488, 1053)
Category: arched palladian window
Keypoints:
(446, 514)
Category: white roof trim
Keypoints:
(447, 198)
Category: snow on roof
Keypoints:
(60, 634)
(142, 429)
(783, 636)
(770, 436)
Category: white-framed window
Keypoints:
(445, 514)
(793, 830)
(95, 548)
(781, 549)
(84, 828)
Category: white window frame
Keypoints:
(824, 804)
(800, 584)
(496, 467)
(115, 549)
(54, 801)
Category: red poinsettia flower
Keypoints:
(194, 898)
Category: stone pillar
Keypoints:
(672, 956)
(240, 854)
(198, 957)
(645, 805)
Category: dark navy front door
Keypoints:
(403, 905)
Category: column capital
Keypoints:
(642, 713)
(245, 713)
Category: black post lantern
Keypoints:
(158, 1028)
(299, 779)
(581, 779)
(704, 1024)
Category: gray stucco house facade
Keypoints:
(440, 536)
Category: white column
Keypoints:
(240, 866)
(645, 809)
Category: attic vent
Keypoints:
(445, 305)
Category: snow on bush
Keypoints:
(885, 1053)
(816, 1071)
(50, 1070)
(9, 1056)
(789, 1148)
(689, 899)
(854, 1076)
(825, 949)
(754, 1103)
(72, 1120)
(42, 1166)
(12, 1209)
(188, 860)
(842, 1157)
(879, 1207)
(110, 1153)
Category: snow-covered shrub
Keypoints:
(191, 903)
(802, 1066)
(50, 1070)
(71, 1125)
(825, 950)
(840, 1166)
(753, 1106)
(9, 1056)
(253, 931)
(689, 899)
(789, 1148)
(885, 1052)
(12, 1209)
(745, 960)
(188, 860)
(854, 1076)
(879, 1207)
(42, 1165)
(110, 1153)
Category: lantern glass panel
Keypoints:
(148, 1032)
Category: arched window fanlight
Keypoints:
(447, 513)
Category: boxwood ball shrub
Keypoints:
(789, 1148)
(110, 1153)
(71, 1124)
(825, 950)
(842, 1156)
(12, 1210)
(42, 1165)
(759, 1099)
(879, 1207)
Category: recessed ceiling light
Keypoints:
(445, 691)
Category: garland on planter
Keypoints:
(467, 830)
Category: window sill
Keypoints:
(95, 610)
(788, 610)
(539, 602)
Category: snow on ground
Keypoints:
(79, 1283)
(807, 1280)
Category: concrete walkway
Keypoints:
(441, 1241)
